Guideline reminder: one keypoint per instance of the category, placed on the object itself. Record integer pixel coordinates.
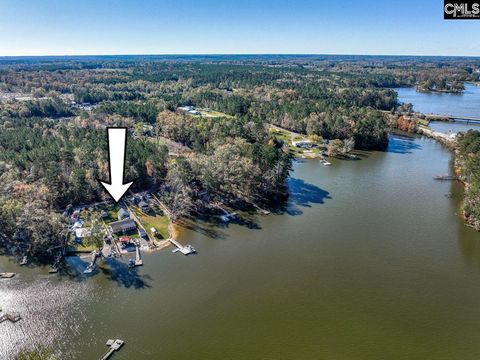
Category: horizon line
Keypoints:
(234, 54)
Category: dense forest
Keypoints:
(54, 111)
(468, 161)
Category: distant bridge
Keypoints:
(453, 118)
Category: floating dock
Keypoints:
(114, 345)
(185, 250)
(7, 275)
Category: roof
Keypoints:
(122, 213)
(78, 224)
(123, 225)
(304, 141)
(82, 232)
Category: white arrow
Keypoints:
(117, 141)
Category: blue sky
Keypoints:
(82, 27)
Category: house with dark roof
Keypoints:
(123, 226)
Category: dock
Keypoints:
(13, 317)
(56, 264)
(114, 345)
(226, 217)
(138, 258)
(446, 177)
(185, 250)
(92, 265)
(7, 275)
(260, 210)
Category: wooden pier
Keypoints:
(185, 250)
(7, 275)
(138, 258)
(446, 177)
(260, 210)
(114, 345)
(92, 265)
(56, 264)
(227, 216)
(13, 317)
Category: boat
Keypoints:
(90, 268)
(24, 260)
(227, 217)
(326, 163)
(190, 249)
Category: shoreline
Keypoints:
(451, 144)
(174, 229)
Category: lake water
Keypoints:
(453, 127)
(464, 104)
(368, 260)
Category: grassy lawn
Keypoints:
(281, 135)
(81, 247)
(213, 113)
(287, 139)
(132, 235)
(87, 244)
(159, 222)
(112, 211)
(76, 247)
